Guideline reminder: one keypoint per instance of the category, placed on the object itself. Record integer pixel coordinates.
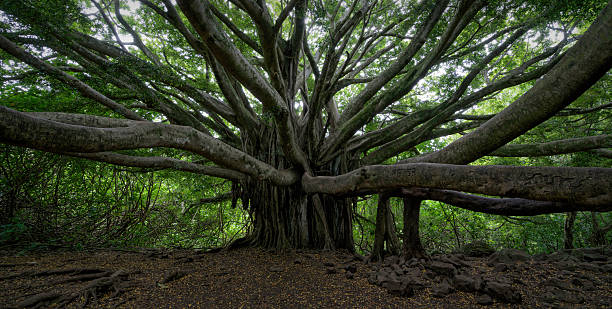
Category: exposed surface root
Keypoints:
(100, 283)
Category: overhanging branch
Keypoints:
(23, 130)
(586, 186)
(499, 206)
(563, 146)
(160, 163)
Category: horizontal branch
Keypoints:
(587, 186)
(563, 146)
(160, 163)
(606, 153)
(24, 130)
(85, 120)
(499, 206)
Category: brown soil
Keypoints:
(242, 278)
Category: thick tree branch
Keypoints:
(555, 147)
(160, 163)
(23, 130)
(586, 186)
(463, 16)
(606, 153)
(581, 67)
(231, 58)
(499, 206)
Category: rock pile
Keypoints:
(498, 277)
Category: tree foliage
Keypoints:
(303, 103)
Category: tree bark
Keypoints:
(412, 246)
(496, 206)
(287, 216)
(568, 230)
(378, 250)
(586, 186)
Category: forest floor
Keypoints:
(256, 278)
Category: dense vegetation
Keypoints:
(50, 201)
(266, 122)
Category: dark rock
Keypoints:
(589, 266)
(554, 294)
(372, 279)
(429, 274)
(591, 257)
(185, 260)
(562, 257)
(477, 248)
(329, 264)
(467, 283)
(503, 292)
(414, 281)
(442, 289)
(397, 288)
(390, 260)
(583, 284)
(331, 270)
(442, 268)
(351, 268)
(508, 256)
(457, 260)
(556, 282)
(349, 275)
(606, 268)
(174, 275)
(501, 267)
(484, 300)
(297, 261)
(397, 269)
(567, 266)
(358, 257)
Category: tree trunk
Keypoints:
(598, 236)
(393, 243)
(412, 242)
(378, 251)
(568, 240)
(287, 217)
(385, 232)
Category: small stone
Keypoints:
(349, 275)
(276, 269)
(329, 264)
(297, 261)
(484, 300)
(330, 270)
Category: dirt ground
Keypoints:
(254, 278)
